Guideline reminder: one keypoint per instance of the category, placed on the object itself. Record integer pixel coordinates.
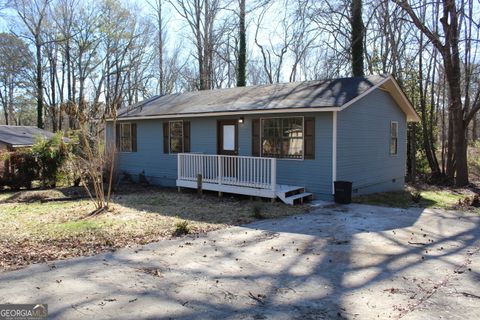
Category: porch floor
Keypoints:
(287, 193)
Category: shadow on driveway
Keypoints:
(352, 262)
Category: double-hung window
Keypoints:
(126, 135)
(176, 136)
(393, 138)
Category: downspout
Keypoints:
(334, 149)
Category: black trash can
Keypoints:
(343, 192)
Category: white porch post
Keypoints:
(334, 149)
(220, 169)
(179, 159)
(274, 174)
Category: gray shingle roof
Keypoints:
(22, 135)
(306, 94)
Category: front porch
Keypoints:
(253, 176)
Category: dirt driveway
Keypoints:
(347, 262)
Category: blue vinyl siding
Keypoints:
(363, 153)
(161, 169)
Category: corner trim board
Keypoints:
(334, 149)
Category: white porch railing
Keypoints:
(252, 172)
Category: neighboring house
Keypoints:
(14, 137)
(284, 140)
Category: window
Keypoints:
(176, 136)
(393, 138)
(282, 137)
(126, 137)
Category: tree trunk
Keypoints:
(160, 48)
(3, 98)
(11, 114)
(73, 103)
(427, 143)
(474, 128)
(450, 153)
(358, 30)
(451, 57)
(413, 153)
(39, 82)
(53, 107)
(242, 50)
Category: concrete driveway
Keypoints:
(345, 262)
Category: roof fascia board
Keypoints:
(229, 113)
(414, 116)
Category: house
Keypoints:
(17, 137)
(14, 137)
(285, 141)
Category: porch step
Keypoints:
(292, 194)
(300, 197)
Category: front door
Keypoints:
(227, 144)
(227, 137)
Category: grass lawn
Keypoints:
(430, 198)
(32, 232)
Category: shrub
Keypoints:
(475, 201)
(416, 196)
(470, 202)
(21, 169)
(50, 155)
(42, 162)
(181, 228)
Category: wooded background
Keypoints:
(67, 62)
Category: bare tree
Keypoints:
(15, 67)
(201, 16)
(448, 46)
(32, 13)
(158, 7)
(242, 48)
(357, 35)
(273, 54)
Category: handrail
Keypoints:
(243, 171)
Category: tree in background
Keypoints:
(201, 17)
(157, 6)
(448, 45)
(357, 37)
(33, 14)
(15, 68)
(242, 48)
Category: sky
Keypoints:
(178, 32)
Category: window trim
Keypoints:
(303, 137)
(120, 137)
(391, 137)
(170, 137)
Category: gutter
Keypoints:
(228, 113)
